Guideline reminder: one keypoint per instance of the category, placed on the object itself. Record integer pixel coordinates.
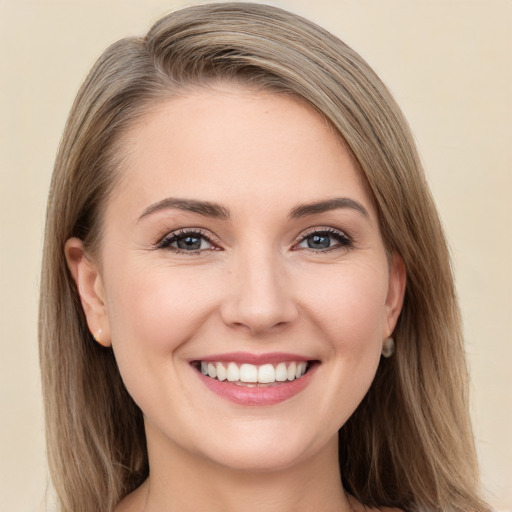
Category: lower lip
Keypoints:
(262, 395)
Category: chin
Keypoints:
(259, 461)
(272, 449)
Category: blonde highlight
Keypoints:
(409, 444)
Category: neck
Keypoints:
(181, 481)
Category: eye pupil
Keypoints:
(189, 242)
(319, 242)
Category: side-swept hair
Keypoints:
(409, 444)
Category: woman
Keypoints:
(239, 233)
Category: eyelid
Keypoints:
(165, 241)
(347, 243)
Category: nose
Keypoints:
(259, 296)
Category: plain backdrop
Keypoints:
(448, 63)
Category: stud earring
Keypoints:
(388, 347)
(97, 336)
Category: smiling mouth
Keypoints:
(250, 375)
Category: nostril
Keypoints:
(260, 300)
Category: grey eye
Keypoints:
(190, 242)
(321, 240)
(186, 241)
(318, 241)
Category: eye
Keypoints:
(187, 241)
(324, 240)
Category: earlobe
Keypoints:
(396, 292)
(89, 284)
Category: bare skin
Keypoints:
(268, 273)
(211, 488)
(137, 502)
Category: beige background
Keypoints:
(449, 64)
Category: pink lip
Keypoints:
(258, 395)
(256, 359)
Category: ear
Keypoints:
(89, 283)
(396, 291)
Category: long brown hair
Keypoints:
(409, 444)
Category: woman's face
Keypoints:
(241, 241)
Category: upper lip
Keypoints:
(250, 358)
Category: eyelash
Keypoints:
(343, 241)
(168, 239)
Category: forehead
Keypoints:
(230, 144)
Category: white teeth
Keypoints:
(281, 373)
(266, 374)
(248, 373)
(251, 374)
(222, 373)
(292, 370)
(233, 373)
(212, 371)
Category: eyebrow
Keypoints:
(205, 208)
(304, 210)
(209, 209)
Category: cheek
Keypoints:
(348, 303)
(158, 309)
(349, 315)
(153, 314)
